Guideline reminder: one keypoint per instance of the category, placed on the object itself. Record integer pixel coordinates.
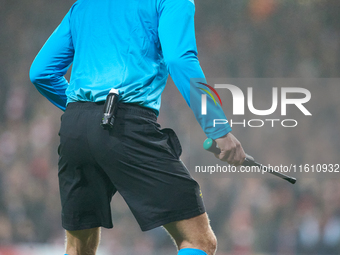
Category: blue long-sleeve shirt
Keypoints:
(130, 45)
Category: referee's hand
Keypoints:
(231, 150)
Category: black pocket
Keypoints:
(173, 141)
(72, 124)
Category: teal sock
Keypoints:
(190, 251)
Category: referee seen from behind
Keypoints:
(129, 46)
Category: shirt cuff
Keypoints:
(219, 133)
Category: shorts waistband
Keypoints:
(127, 108)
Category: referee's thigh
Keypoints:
(84, 241)
(193, 233)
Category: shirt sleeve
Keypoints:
(51, 64)
(176, 32)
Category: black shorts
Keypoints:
(135, 158)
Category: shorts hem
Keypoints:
(178, 217)
(86, 226)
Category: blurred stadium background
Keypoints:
(236, 38)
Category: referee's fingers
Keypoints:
(224, 155)
(231, 150)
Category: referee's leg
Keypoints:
(82, 242)
(193, 236)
